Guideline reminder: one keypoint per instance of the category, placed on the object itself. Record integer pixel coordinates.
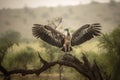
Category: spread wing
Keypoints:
(85, 33)
(48, 34)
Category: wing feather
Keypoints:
(85, 33)
(48, 34)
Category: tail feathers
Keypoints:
(63, 49)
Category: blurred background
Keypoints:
(18, 16)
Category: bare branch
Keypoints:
(56, 22)
(42, 60)
(91, 71)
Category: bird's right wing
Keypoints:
(85, 33)
(48, 34)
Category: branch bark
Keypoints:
(91, 71)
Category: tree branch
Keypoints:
(91, 71)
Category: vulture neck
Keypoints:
(68, 34)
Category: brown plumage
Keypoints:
(56, 38)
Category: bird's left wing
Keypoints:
(48, 34)
(85, 33)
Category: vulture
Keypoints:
(66, 42)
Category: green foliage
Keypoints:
(20, 59)
(110, 44)
(92, 56)
(7, 40)
(51, 51)
(9, 36)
